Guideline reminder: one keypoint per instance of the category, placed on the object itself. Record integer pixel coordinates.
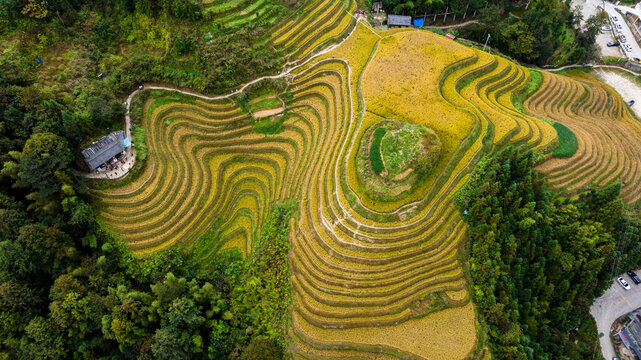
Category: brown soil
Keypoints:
(403, 175)
(268, 113)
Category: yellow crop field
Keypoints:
(439, 334)
(369, 276)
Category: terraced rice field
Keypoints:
(313, 24)
(608, 134)
(317, 23)
(371, 279)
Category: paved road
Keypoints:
(455, 26)
(614, 303)
(597, 66)
(591, 7)
(612, 11)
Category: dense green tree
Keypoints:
(44, 156)
(42, 341)
(72, 131)
(103, 111)
(178, 338)
(537, 265)
(262, 348)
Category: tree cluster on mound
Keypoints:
(537, 265)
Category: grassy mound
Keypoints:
(394, 157)
(410, 147)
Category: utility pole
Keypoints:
(486, 40)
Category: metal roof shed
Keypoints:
(104, 149)
(399, 21)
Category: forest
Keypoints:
(538, 263)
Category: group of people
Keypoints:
(121, 167)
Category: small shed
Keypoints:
(399, 21)
(377, 7)
(104, 149)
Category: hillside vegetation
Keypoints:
(537, 265)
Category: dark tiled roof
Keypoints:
(104, 149)
(399, 20)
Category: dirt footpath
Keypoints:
(627, 88)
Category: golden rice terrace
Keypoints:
(372, 278)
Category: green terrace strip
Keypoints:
(139, 143)
(270, 125)
(567, 142)
(375, 151)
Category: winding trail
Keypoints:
(287, 71)
(455, 26)
(592, 66)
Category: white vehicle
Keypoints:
(623, 283)
(614, 19)
(622, 38)
(619, 28)
(627, 47)
(606, 28)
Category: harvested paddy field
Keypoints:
(371, 278)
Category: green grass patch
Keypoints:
(567, 142)
(270, 125)
(518, 97)
(139, 143)
(375, 151)
(613, 60)
(266, 104)
(535, 84)
(400, 148)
